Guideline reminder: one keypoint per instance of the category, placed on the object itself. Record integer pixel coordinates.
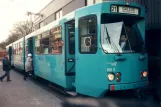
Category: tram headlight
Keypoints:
(111, 77)
(144, 74)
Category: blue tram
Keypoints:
(92, 50)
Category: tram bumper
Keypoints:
(115, 87)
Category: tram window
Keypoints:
(20, 48)
(88, 34)
(71, 35)
(18, 51)
(45, 45)
(119, 34)
(56, 40)
(37, 44)
(45, 42)
(14, 50)
(26, 47)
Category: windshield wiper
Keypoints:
(111, 42)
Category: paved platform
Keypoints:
(20, 93)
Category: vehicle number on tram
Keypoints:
(124, 9)
(110, 69)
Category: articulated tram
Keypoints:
(90, 51)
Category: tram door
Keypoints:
(10, 53)
(29, 47)
(70, 48)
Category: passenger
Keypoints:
(28, 66)
(123, 40)
(6, 67)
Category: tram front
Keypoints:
(123, 40)
(110, 48)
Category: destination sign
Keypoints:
(124, 9)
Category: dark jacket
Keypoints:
(6, 64)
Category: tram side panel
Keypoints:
(18, 56)
(48, 63)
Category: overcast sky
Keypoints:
(13, 11)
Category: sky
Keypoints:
(13, 11)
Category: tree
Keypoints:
(19, 30)
(22, 28)
(3, 45)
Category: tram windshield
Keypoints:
(120, 34)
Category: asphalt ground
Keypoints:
(37, 93)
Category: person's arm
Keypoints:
(5, 62)
(8, 63)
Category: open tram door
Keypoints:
(10, 53)
(29, 48)
(70, 48)
(30, 45)
(70, 52)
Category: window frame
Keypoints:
(73, 20)
(40, 44)
(52, 40)
(42, 38)
(79, 37)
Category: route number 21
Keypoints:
(113, 8)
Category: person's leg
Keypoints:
(8, 76)
(3, 76)
(26, 74)
(30, 72)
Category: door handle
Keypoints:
(70, 60)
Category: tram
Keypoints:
(90, 51)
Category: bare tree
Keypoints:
(19, 30)
(23, 28)
(3, 45)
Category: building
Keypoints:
(58, 8)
